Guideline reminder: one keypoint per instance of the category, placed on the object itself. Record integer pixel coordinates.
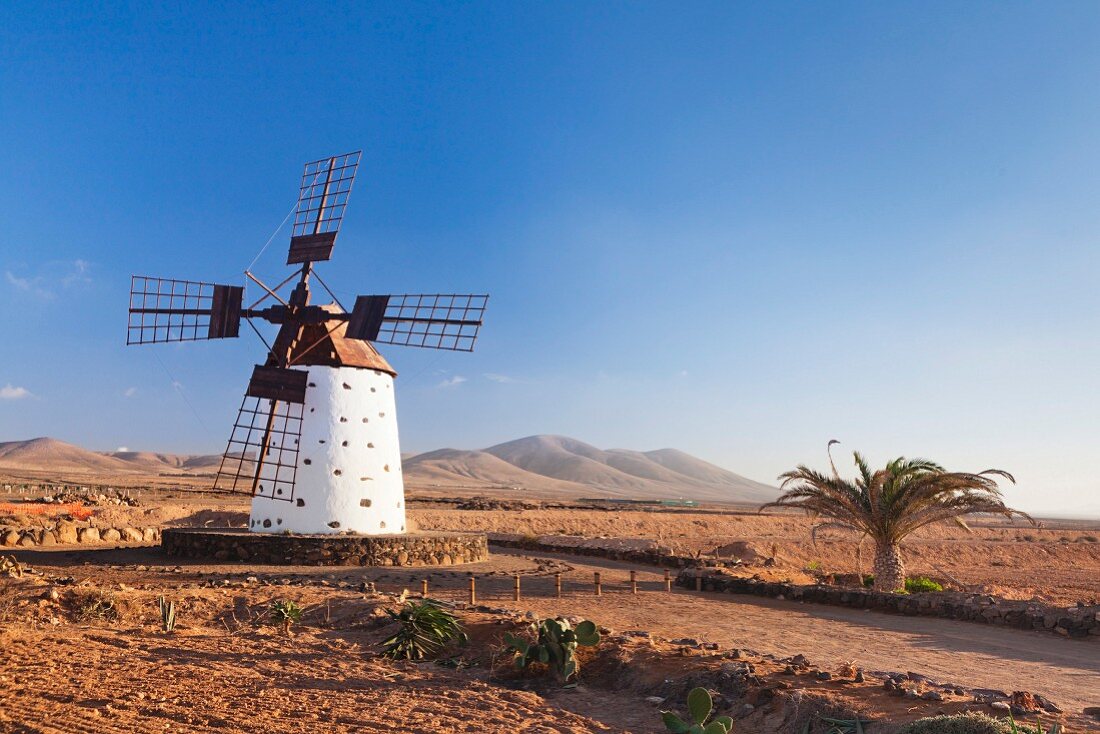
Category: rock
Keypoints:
(110, 535)
(150, 535)
(88, 535)
(1000, 706)
(66, 532)
(131, 535)
(655, 700)
(932, 696)
(824, 675)
(860, 678)
(789, 670)
(10, 538)
(1093, 711)
(48, 538)
(911, 693)
(889, 684)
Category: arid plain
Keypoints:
(776, 663)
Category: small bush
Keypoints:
(813, 566)
(968, 723)
(426, 628)
(285, 613)
(869, 580)
(96, 605)
(919, 584)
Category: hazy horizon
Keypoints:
(738, 231)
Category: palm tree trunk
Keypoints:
(889, 567)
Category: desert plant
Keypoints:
(426, 628)
(699, 705)
(966, 723)
(919, 584)
(889, 504)
(837, 726)
(813, 566)
(555, 645)
(285, 612)
(96, 605)
(1055, 728)
(167, 614)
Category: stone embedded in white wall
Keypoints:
(344, 481)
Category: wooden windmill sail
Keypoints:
(315, 440)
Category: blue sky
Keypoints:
(739, 230)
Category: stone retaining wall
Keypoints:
(68, 533)
(421, 549)
(1076, 622)
(629, 555)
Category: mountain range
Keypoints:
(543, 465)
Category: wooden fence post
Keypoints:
(668, 581)
(424, 589)
(557, 584)
(515, 580)
(633, 582)
(473, 590)
(698, 581)
(599, 589)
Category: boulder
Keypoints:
(88, 535)
(150, 535)
(131, 535)
(10, 538)
(110, 535)
(66, 532)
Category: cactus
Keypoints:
(699, 705)
(555, 645)
(167, 614)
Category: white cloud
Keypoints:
(50, 276)
(123, 448)
(129, 392)
(502, 379)
(452, 381)
(78, 273)
(11, 392)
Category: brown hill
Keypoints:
(554, 466)
(571, 467)
(53, 455)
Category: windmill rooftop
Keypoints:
(315, 442)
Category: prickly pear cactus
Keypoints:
(555, 645)
(699, 704)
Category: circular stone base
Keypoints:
(420, 549)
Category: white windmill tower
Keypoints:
(315, 441)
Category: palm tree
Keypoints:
(891, 503)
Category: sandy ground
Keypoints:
(219, 673)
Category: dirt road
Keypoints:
(1068, 671)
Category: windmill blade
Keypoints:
(167, 310)
(322, 197)
(434, 321)
(261, 457)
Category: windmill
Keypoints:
(315, 441)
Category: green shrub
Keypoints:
(699, 706)
(285, 612)
(918, 584)
(968, 723)
(425, 628)
(813, 566)
(868, 580)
